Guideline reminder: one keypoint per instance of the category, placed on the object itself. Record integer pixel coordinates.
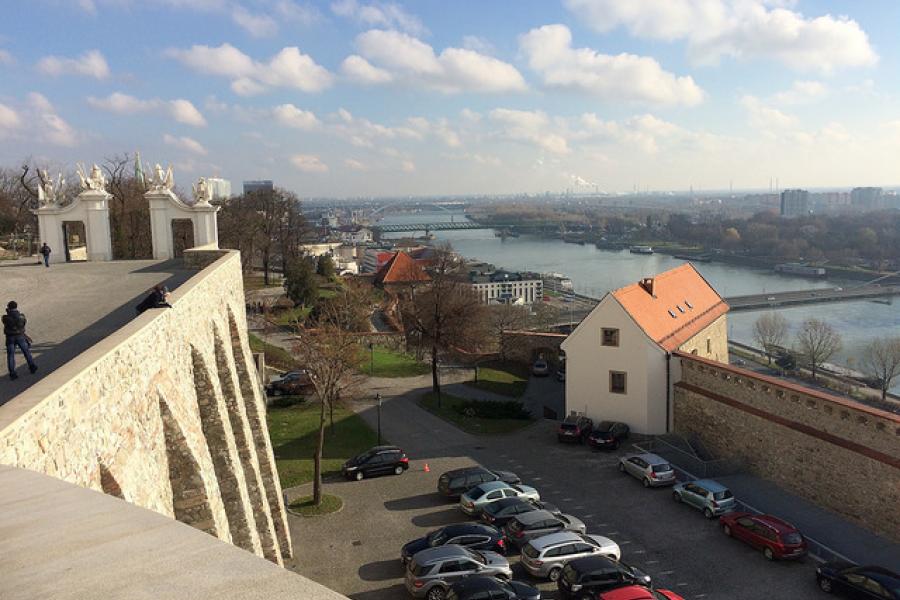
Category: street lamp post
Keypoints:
(378, 400)
(372, 354)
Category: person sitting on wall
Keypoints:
(158, 298)
(14, 330)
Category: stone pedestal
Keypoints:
(91, 207)
(164, 207)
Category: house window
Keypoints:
(610, 337)
(708, 346)
(617, 382)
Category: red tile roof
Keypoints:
(401, 269)
(681, 304)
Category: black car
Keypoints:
(592, 574)
(454, 484)
(499, 512)
(574, 429)
(851, 581)
(490, 588)
(608, 434)
(379, 460)
(471, 535)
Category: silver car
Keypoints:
(706, 495)
(475, 499)
(431, 572)
(546, 556)
(652, 470)
(525, 527)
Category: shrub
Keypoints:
(487, 409)
(285, 401)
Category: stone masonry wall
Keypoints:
(524, 346)
(833, 451)
(166, 413)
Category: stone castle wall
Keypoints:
(526, 346)
(166, 413)
(835, 452)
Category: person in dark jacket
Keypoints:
(14, 330)
(158, 298)
(45, 252)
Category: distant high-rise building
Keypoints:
(219, 189)
(794, 203)
(258, 186)
(867, 198)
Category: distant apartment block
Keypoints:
(794, 203)
(219, 189)
(262, 185)
(867, 198)
(505, 287)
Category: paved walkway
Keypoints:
(72, 306)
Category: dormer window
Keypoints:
(681, 310)
(671, 314)
(688, 304)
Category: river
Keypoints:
(595, 272)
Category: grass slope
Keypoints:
(448, 412)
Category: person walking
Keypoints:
(14, 330)
(45, 252)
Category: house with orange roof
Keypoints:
(399, 273)
(618, 359)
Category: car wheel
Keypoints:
(676, 496)
(646, 482)
(359, 475)
(436, 593)
(825, 585)
(727, 530)
(554, 574)
(398, 470)
(767, 552)
(615, 445)
(708, 513)
(621, 467)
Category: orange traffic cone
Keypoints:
(426, 469)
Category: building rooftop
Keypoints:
(672, 307)
(401, 269)
(72, 306)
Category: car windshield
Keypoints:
(437, 538)
(515, 525)
(604, 426)
(723, 495)
(530, 551)
(567, 426)
(792, 538)
(475, 493)
(661, 468)
(477, 556)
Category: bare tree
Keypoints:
(445, 315)
(330, 353)
(881, 360)
(503, 318)
(543, 316)
(769, 331)
(817, 341)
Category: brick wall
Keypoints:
(165, 413)
(833, 451)
(524, 346)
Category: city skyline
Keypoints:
(356, 98)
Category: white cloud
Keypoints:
(185, 143)
(355, 164)
(257, 25)
(394, 56)
(89, 64)
(533, 127)
(290, 115)
(379, 14)
(180, 109)
(9, 120)
(408, 166)
(766, 117)
(289, 68)
(364, 133)
(802, 92)
(48, 125)
(298, 13)
(738, 28)
(308, 163)
(6, 58)
(612, 77)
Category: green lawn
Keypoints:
(275, 356)
(476, 425)
(255, 282)
(294, 433)
(292, 316)
(305, 507)
(391, 364)
(507, 379)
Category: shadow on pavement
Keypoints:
(431, 500)
(439, 518)
(383, 570)
(390, 593)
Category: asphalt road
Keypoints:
(356, 551)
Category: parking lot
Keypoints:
(356, 551)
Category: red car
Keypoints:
(776, 538)
(638, 592)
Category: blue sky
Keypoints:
(371, 98)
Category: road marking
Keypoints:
(651, 562)
(624, 543)
(682, 584)
(638, 551)
(666, 572)
(590, 516)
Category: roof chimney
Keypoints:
(647, 284)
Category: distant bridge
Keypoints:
(439, 226)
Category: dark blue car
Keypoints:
(471, 535)
(851, 581)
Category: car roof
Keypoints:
(631, 592)
(652, 459)
(477, 584)
(594, 562)
(563, 537)
(465, 471)
(384, 449)
(464, 528)
(488, 486)
(430, 555)
(504, 502)
(779, 525)
(533, 516)
(709, 484)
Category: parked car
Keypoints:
(608, 434)
(584, 577)
(574, 429)
(474, 500)
(379, 460)
(292, 383)
(431, 572)
(546, 556)
(499, 512)
(470, 535)
(540, 368)
(706, 495)
(490, 588)
(776, 538)
(638, 592)
(851, 581)
(651, 469)
(523, 528)
(455, 483)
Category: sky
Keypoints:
(359, 98)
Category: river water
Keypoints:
(595, 272)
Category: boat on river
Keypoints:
(641, 250)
